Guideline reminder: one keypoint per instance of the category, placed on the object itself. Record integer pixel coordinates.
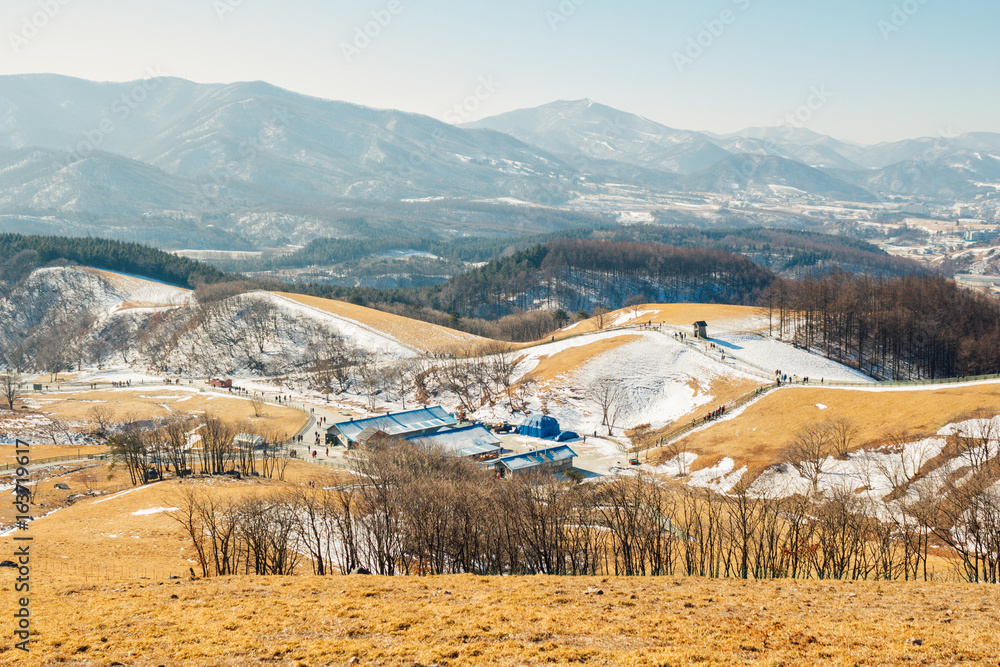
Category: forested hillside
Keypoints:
(787, 252)
(913, 327)
(20, 254)
(577, 274)
(790, 253)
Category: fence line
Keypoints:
(57, 459)
(104, 571)
(700, 421)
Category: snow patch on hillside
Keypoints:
(769, 353)
(721, 477)
(142, 290)
(661, 380)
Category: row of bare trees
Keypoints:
(248, 535)
(185, 445)
(907, 328)
(415, 511)
(484, 375)
(950, 497)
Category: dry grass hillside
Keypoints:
(759, 434)
(719, 317)
(424, 336)
(467, 620)
(152, 401)
(111, 585)
(111, 568)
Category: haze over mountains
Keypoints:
(76, 152)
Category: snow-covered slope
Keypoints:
(769, 353)
(50, 291)
(661, 380)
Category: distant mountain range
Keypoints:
(167, 148)
(584, 132)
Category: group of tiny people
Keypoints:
(716, 413)
(312, 452)
(784, 378)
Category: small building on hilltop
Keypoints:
(701, 329)
(393, 425)
(471, 442)
(549, 460)
(539, 426)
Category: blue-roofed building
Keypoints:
(394, 425)
(473, 442)
(549, 460)
(539, 426)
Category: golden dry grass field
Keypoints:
(81, 528)
(719, 317)
(468, 620)
(150, 401)
(103, 593)
(421, 335)
(758, 435)
(723, 390)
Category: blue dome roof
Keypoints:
(539, 426)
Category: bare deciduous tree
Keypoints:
(370, 372)
(679, 451)
(842, 432)
(608, 394)
(10, 387)
(399, 378)
(808, 450)
(978, 440)
(601, 317)
(257, 405)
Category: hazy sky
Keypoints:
(883, 69)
